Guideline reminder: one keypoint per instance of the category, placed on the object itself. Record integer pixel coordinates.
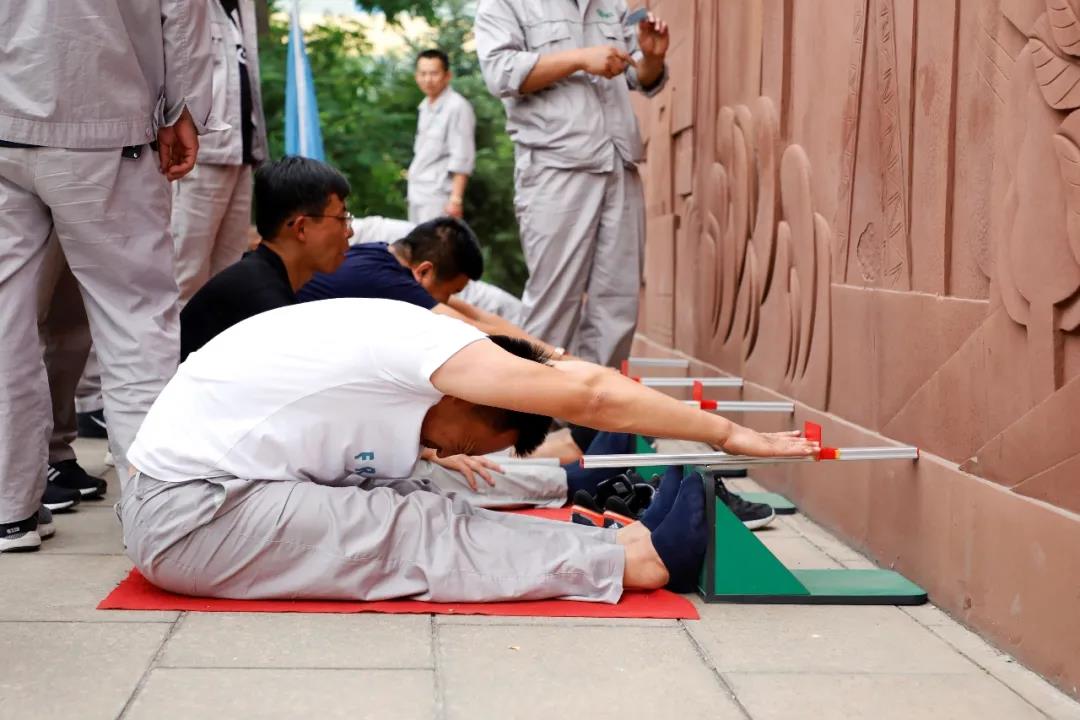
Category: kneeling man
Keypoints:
(266, 467)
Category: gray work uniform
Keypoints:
(578, 197)
(445, 146)
(79, 81)
(212, 204)
(250, 539)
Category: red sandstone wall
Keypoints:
(873, 207)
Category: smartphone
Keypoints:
(636, 16)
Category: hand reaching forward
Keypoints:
(744, 441)
(470, 466)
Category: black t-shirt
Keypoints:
(257, 283)
(247, 121)
(369, 271)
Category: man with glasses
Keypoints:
(300, 215)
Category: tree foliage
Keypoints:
(368, 109)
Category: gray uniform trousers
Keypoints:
(256, 539)
(429, 210)
(519, 485)
(111, 216)
(582, 233)
(65, 337)
(211, 214)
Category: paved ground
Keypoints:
(64, 659)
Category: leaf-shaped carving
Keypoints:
(1064, 25)
(1068, 155)
(763, 237)
(1057, 74)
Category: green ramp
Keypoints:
(740, 569)
(779, 503)
(644, 447)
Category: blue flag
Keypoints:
(302, 134)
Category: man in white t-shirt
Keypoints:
(267, 466)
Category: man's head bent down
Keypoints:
(443, 255)
(453, 426)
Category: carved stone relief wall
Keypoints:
(876, 204)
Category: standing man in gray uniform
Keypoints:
(212, 206)
(444, 151)
(101, 102)
(564, 70)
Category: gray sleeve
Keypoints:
(189, 64)
(462, 139)
(500, 43)
(630, 35)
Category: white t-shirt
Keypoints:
(316, 391)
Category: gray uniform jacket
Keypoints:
(86, 74)
(582, 122)
(226, 146)
(445, 145)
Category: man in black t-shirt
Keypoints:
(305, 227)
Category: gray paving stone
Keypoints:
(91, 530)
(797, 553)
(555, 621)
(805, 638)
(186, 693)
(294, 640)
(39, 586)
(73, 670)
(553, 672)
(1004, 668)
(770, 696)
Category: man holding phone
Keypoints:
(564, 71)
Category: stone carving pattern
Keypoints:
(759, 238)
(1040, 284)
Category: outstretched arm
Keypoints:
(596, 397)
(490, 323)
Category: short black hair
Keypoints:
(448, 244)
(435, 53)
(290, 185)
(531, 428)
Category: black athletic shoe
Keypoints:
(69, 474)
(92, 425)
(753, 515)
(20, 536)
(59, 498)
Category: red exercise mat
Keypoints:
(136, 593)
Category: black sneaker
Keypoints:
(70, 475)
(753, 515)
(60, 498)
(20, 536)
(92, 425)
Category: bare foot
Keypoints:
(634, 532)
(644, 570)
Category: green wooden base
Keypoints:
(779, 503)
(740, 569)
